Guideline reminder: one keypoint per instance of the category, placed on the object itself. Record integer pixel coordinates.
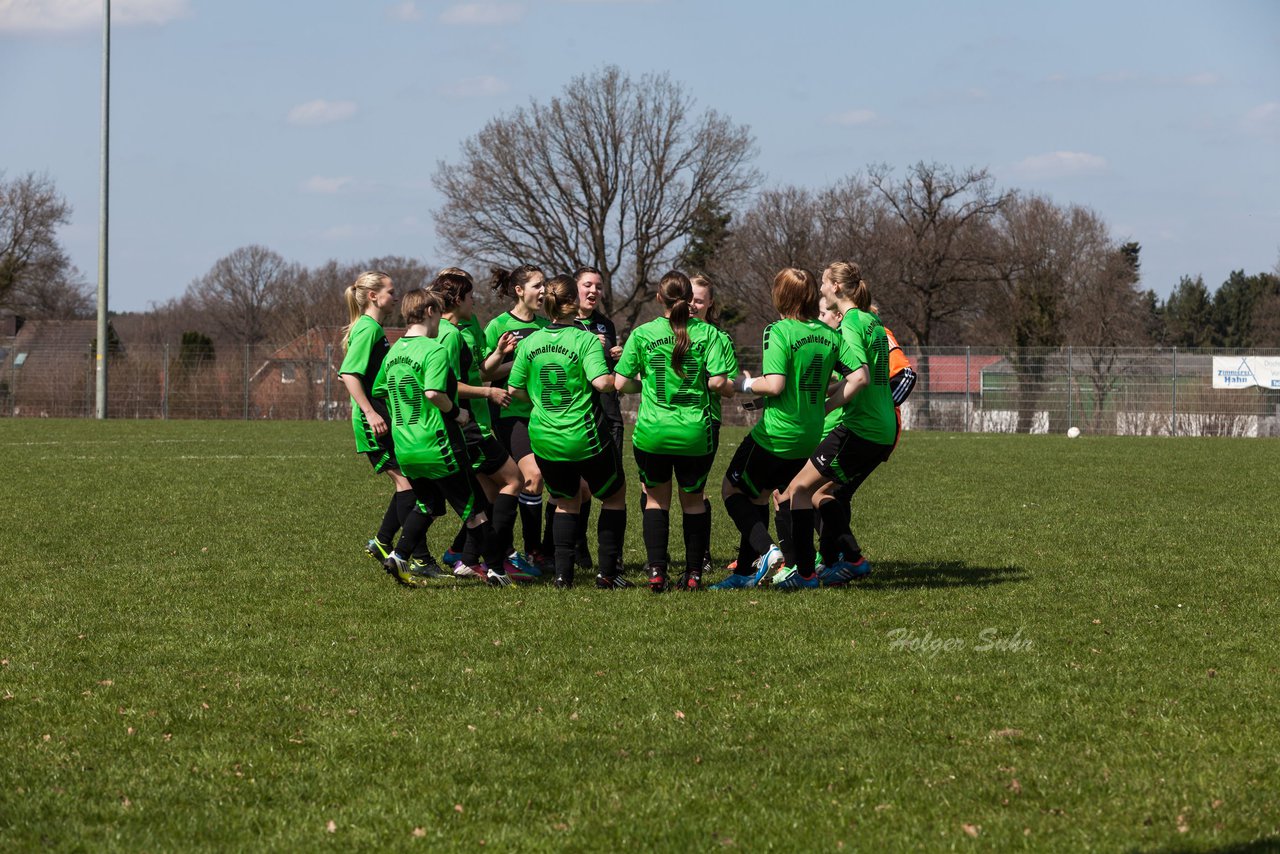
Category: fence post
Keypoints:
(968, 401)
(328, 380)
(1173, 425)
(1070, 383)
(246, 382)
(164, 385)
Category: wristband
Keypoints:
(452, 414)
(746, 385)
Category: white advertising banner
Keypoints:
(1245, 371)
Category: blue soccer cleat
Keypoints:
(843, 572)
(734, 582)
(770, 561)
(789, 578)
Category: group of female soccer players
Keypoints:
(483, 420)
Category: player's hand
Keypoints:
(464, 416)
(377, 423)
(507, 343)
(615, 352)
(604, 342)
(499, 396)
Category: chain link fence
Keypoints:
(1122, 391)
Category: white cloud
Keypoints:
(326, 185)
(322, 112)
(1204, 78)
(1060, 164)
(483, 14)
(406, 11)
(475, 87)
(854, 118)
(66, 15)
(1264, 118)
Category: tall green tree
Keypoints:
(1188, 315)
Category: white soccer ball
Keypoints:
(1073, 432)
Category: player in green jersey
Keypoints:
(497, 472)
(800, 353)
(559, 370)
(522, 285)
(370, 299)
(421, 388)
(703, 306)
(667, 361)
(862, 440)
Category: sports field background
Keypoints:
(1065, 644)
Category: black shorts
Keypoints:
(758, 472)
(690, 472)
(513, 433)
(846, 458)
(615, 432)
(603, 474)
(383, 459)
(459, 490)
(715, 437)
(486, 452)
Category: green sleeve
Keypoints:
(435, 370)
(451, 343)
(519, 377)
(853, 351)
(380, 384)
(629, 365)
(359, 346)
(492, 333)
(720, 361)
(594, 363)
(775, 350)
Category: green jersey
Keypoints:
(366, 348)
(870, 413)
(555, 366)
(426, 443)
(805, 353)
(465, 359)
(675, 411)
(522, 329)
(722, 361)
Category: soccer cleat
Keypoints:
(521, 565)
(419, 568)
(690, 580)
(706, 564)
(733, 582)
(398, 568)
(462, 570)
(612, 582)
(541, 561)
(377, 550)
(657, 577)
(497, 579)
(563, 582)
(843, 572)
(733, 565)
(450, 557)
(770, 561)
(789, 578)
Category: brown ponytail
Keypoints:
(675, 292)
(847, 277)
(505, 282)
(560, 298)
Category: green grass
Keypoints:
(196, 654)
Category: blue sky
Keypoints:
(314, 128)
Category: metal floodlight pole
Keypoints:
(101, 355)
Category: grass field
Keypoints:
(1065, 645)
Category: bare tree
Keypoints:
(935, 244)
(614, 172)
(36, 277)
(242, 292)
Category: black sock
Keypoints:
(802, 541)
(413, 533)
(495, 546)
(835, 522)
(785, 541)
(696, 541)
(747, 517)
(390, 520)
(656, 528)
(564, 528)
(584, 519)
(471, 545)
(706, 515)
(406, 501)
(548, 537)
(503, 519)
(610, 531)
(531, 521)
